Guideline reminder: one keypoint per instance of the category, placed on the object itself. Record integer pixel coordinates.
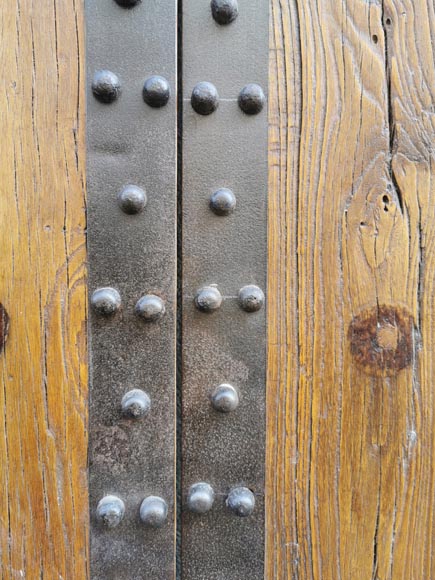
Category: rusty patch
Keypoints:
(4, 326)
(381, 340)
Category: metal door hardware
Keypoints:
(110, 511)
(153, 511)
(224, 11)
(132, 207)
(134, 224)
(135, 404)
(225, 398)
(200, 498)
(224, 251)
(223, 201)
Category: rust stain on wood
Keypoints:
(381, 340)
(4, 327)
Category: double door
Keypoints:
(216, 282)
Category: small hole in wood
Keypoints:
(362, 223)
(388, 21)
(386, 199)
(375, 38)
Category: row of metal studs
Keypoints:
(225, 398)
(106, 88)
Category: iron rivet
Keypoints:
(156, 92)
(132, 199)
(251, 298)
(106, 86)
(153, 511)
(224, 11)
(200, 498)
(252, 99)
(110, 511)
(135, 404)
(205, 98)
(208, 299)
(106, 301)
(223, 202)
(225, 398)
(150, 308)
(241, 501)
(127, 3)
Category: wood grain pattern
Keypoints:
(43, 368)
(350, 460)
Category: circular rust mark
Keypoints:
(4, 326)
(381, 340)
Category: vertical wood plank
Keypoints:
(282, 551)
(43, 367)
(350, 490)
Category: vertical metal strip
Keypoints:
(132, 252)
(224, 250)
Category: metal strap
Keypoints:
(132, 251)
(224, 249)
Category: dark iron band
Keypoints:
(131, 126)
(224, 207)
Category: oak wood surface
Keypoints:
(351, 432)
(43, 367)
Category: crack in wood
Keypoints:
(4, 327)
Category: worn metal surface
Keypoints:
(132, 248)
(226, 148)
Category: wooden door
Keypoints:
(350, 413)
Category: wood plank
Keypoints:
(43, 368)
(352, 216)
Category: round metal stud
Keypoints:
(251, 298)
(224, 11)
(127, 3)
(110, 511)
(241, 501)
(135, 404)
(150, 308)
(200, 498)
(225, 398)
(132, 199)
(208, 299)
(205, 98)
(252, 99)
(106, 301)
(223, 202)
(106, 86)
(153, 511)
(156, 91)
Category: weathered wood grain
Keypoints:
(350, 491)
(43, 367)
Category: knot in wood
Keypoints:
(381, 340)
